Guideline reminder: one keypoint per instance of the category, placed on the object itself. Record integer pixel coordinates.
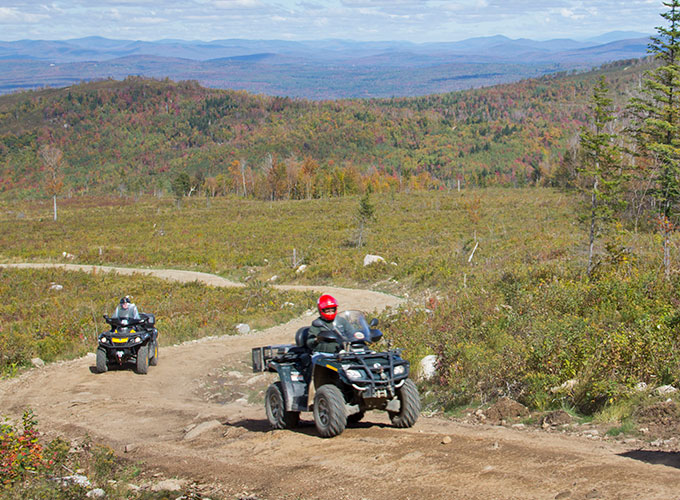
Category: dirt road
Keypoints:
(206, 386)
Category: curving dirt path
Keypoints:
(158, 418)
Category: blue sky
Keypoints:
(416, 21)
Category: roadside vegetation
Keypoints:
(33, 465)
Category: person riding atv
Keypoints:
(337, 374)
(327, 321)
(132, 337)
(126, 309)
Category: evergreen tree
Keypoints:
(655, 127)
(601, 168)
(180, 186)
(365, 215)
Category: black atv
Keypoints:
(339, 388)
(129, 340)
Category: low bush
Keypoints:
(548, 338)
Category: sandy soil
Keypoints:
(157, 419)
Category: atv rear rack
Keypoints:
(262, 355)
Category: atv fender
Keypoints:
(294, 387)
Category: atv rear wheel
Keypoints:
(329, 411)
(143, 359)
(154, 353)
(101, 360)
(409, 401)
(275, 408)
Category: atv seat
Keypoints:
(301, 337)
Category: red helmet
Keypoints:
(328, 307)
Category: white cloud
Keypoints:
(238, 4)
(148, 20)
(10, 14)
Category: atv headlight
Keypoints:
(399, 370)
(138, 339)
(353, 374)
(102, 340)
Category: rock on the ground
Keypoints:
(201, 428)
(372, 259)
(37, 362)
(428, 367)
(242, 328)
(665, 389)
(78, 479)
(96, 493)
(169, 485)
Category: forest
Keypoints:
(142, 136)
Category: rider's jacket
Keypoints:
(130, 313)
(314, 344)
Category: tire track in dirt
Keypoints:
(151, 414)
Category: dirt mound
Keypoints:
(505, 409)
(661, 419)
(556, 418)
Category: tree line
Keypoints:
(632, 160)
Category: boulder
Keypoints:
(242, 328)
(169, 485)
(373, 259)
(37, 362)
(96, 493)
(428, 367)
(301, 269)
(201, 428)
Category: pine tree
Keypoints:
(655, 127)
(365, 215)
(601, 169)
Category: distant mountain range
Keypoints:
(319, 69)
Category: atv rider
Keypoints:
(328, 308)
(126, 309)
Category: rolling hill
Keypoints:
(318, 69)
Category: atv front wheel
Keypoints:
(143, 359)
(101, 360)
(154, 354)
(329, 411)
(409, 401)
(275, 408)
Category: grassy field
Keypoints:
(497, 277)
(425, 238)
